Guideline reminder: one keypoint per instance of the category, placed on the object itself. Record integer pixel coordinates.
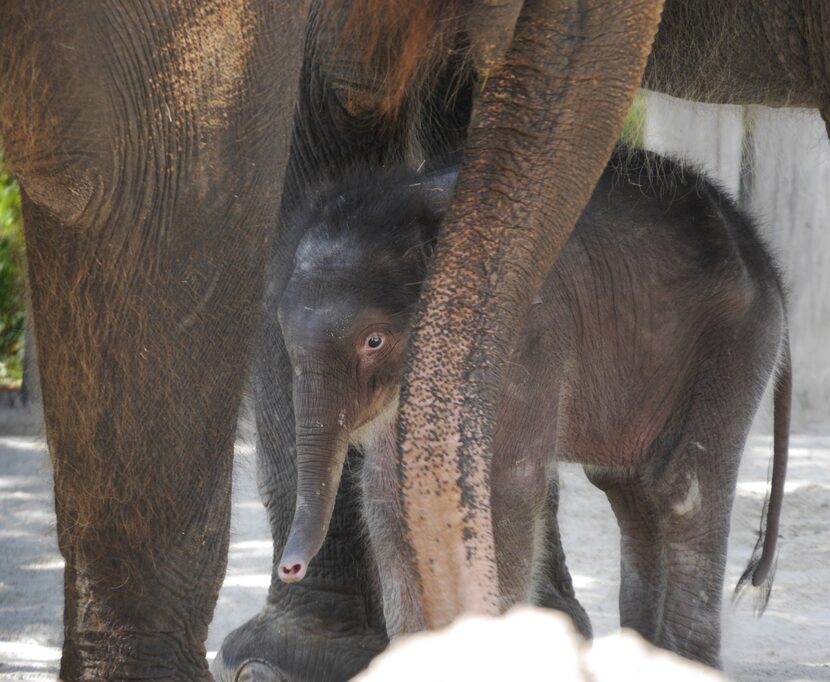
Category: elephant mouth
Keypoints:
(382, 420)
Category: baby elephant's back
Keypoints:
(661, 283)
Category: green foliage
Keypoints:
(12, 276)
(633, 133)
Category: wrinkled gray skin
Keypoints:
(643, 359)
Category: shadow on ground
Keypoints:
(791, 642)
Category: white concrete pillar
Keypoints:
(789, 193)
(707, 136)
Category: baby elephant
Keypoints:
(643, 357)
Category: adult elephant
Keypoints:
(150, 140)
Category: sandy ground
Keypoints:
(791, 641)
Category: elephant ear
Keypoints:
(439, 189)
(436, 189)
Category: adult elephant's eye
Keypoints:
(374, 341)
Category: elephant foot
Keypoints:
(280, 646)
(257, 671)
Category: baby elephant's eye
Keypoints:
(374, 341)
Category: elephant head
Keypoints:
(345, 316)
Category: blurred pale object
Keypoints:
(528, 644)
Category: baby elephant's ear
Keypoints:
(433, 194)
(439, 188)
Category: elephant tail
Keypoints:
(761, 569)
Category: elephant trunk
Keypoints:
(322, 445)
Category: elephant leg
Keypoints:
(543, 126)
(673, 513)
(525, 499)
(381, 509)
(518, 500)
(642, 564)
(553, 586)
(696, 491)
(329, 626)
(696, 563)
(149, 141)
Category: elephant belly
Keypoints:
(603, 404)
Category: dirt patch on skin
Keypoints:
(209, 51)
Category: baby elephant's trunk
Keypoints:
(322, 445)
